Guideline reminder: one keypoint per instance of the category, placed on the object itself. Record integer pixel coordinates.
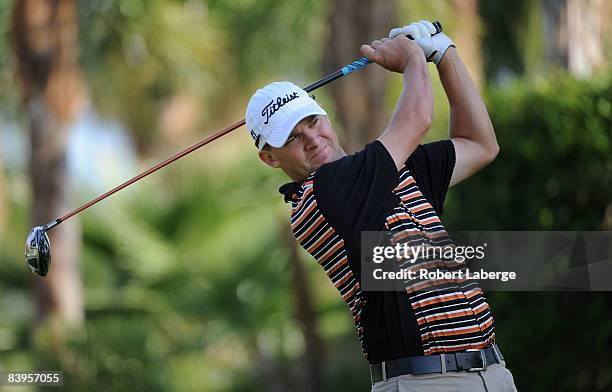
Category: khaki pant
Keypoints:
(495, 379)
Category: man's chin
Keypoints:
(327, 155)
(318, 163)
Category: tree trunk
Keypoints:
(575, 34)
(46, 47)
(585, 20)
(467, 37)
(270, 375)
(311, 374)
(360, 97)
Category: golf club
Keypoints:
(38, 246)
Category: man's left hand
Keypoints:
(424, 34)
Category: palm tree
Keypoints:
(145, 63)
(45, 44)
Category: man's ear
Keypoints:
(267, 158)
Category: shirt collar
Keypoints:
(290, 190)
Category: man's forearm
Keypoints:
(469, 118)
(413, 113)
(414, 108)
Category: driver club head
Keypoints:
(38, 251)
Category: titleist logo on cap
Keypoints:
(271, 108)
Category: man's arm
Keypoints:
(470, 128)
(414, 110)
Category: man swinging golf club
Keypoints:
(434, 339)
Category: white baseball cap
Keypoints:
(275, 110)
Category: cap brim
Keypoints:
(279, 136)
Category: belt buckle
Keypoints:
(483, 359)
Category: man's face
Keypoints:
(311, 144)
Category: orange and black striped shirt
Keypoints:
(365, 192)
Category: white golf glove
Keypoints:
(424, 34)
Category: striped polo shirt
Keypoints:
(365, 192)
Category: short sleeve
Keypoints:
(432, 166)
(351, 192)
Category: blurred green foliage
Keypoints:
(554, 169)
(137, 54)
(554, 172)
(187, 288)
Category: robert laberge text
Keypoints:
(423, 273)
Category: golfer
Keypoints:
(434, 339)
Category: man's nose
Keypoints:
(311, 138)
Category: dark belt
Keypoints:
(470, 360)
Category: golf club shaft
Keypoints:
(350, 68)
(154, 169)
(354, 66)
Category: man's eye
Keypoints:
(290, 139)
